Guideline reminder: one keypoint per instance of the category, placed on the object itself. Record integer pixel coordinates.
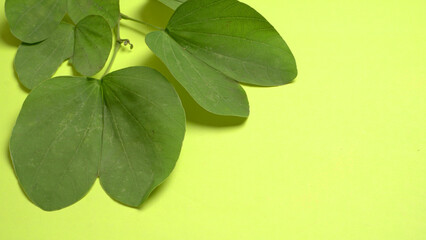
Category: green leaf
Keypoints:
(208, 43)
(211, 89)
(144, 126)
(37, 62)
(233, 38)
(173, 4)
(56, 143)
(33, 20)
(93, 42)
(127, 129)
(109, 9)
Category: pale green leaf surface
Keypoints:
(108, 9)
(144, 126)
(127, 129)
(93, 42)
(56, 143)
(173, 4)
(37, 62)
(32, 21)
(234, 39)
(211, 89)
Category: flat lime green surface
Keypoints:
(338, 155)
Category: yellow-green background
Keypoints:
(338, 155)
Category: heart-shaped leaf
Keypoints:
(232, 39)
(173, 4)
(93, 42)
(108, 9)
(33, 21)
(37, 62)
(127, 128)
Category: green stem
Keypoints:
(125, 17)
(120, 41)
(117, 46)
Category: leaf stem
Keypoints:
(117, 47)
(125, 17)
(126, 42)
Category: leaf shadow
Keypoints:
(7, 157)
(7, 37)
(155, 13)
(156, 193)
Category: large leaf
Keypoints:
(143, 133)
(127, 128)
(234, 39)
(37, 62)
(34, 20)
(173, 4)
(93, 42)
(211, 89)
(109, 9)
(208, 42)
(56, 143)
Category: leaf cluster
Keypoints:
(127, 128)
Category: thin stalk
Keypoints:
(117, 47)
(125, 17)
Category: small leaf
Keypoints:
(127, 129)
(144, 126)
(33, 21)
(93, 42)
(213, 90)
(173, 4)
(56, 143)
(109, 9)
(37, 62)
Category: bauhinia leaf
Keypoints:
(32, 21)
(213, 90)
(144, 126)
(37, 62)
(109, 9)
(93, 42)
(232, 39)
(127, 128)
(56, 143)
(173, 4)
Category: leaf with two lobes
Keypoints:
(108, 9)
(173, 4)
(93, 42)
(37, 62)
(127, 129)
(230, 38)
(33, 21)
